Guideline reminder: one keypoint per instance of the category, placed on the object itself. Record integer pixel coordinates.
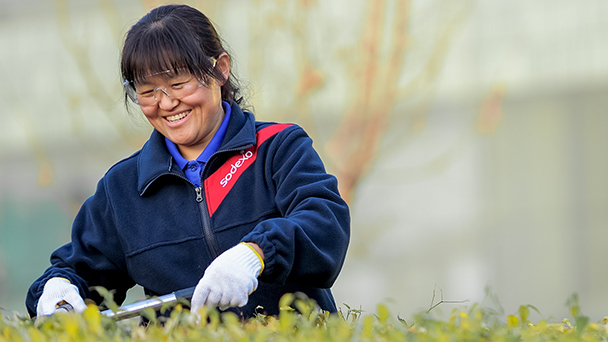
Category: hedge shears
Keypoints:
(135, 309)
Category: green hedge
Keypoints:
(299, 321)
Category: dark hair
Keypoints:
(175, 37)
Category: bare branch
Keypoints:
(441, 301)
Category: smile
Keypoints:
(177, 117)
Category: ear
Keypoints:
(223, 65)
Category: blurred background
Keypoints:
(469, 137)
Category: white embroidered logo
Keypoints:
(234, 167)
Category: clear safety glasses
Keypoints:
(176, 87)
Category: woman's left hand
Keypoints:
(229, 279)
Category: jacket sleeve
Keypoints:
(308, 244)
(94, 257)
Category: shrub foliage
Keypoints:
(300, 321)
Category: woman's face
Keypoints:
(189, 122)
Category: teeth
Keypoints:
(177, 117)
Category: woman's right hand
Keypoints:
(56, 291)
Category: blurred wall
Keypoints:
(468, 136)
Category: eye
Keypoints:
(145, 93)
(178, 85)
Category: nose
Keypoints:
(165, 102)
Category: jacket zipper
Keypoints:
(209, 236)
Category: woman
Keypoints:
(243, 210)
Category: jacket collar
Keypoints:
(154, 160)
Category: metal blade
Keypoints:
(134, 309)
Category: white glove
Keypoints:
(229, 279)
(57, 290)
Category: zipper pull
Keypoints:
(199, 195)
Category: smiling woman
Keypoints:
(243, 210)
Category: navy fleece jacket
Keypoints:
(147, 224)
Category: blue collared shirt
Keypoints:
(194, 168)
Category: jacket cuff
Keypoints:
(269, 253)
